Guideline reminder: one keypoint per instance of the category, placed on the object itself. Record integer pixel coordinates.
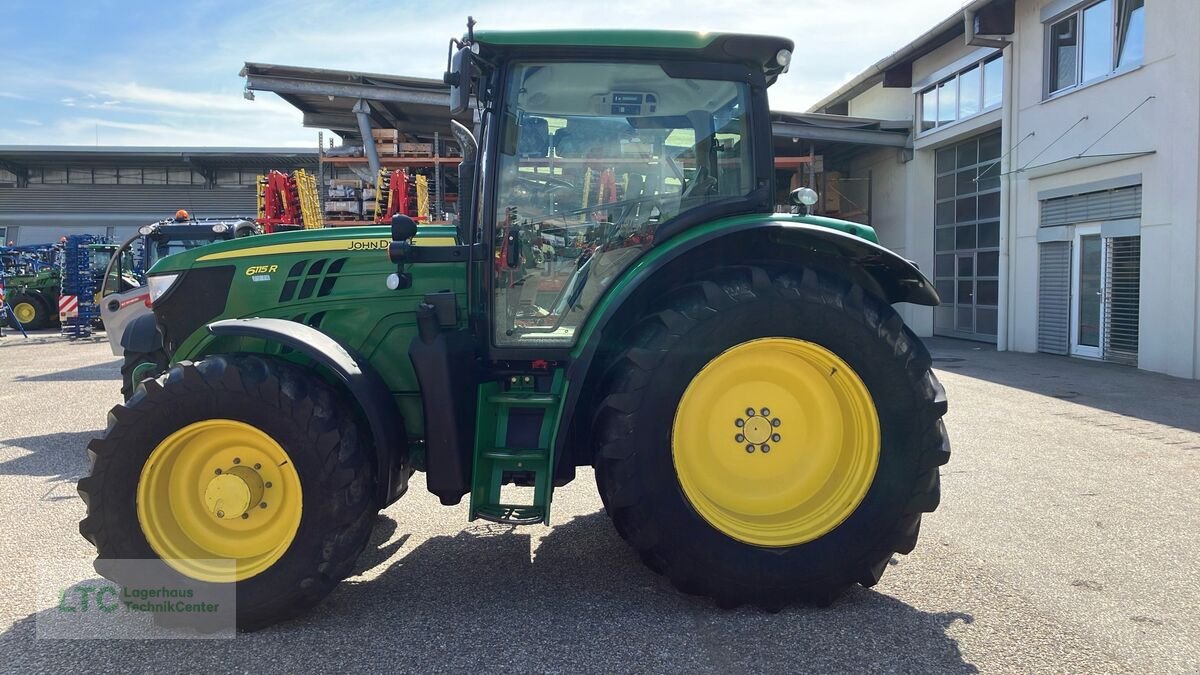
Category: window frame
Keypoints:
(955, 78)
(1116, 34)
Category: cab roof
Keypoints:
(760, 50)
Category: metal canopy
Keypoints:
(327, 98)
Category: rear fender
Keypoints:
(369, 390)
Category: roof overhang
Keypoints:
(327, 98)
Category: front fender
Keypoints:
(369, 390)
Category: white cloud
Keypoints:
(32, 123)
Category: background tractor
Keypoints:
(125, 299)
(32, 281)
(617, 294)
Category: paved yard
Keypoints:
(1067, 541)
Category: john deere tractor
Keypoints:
(617, 294)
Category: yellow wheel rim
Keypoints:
(25, 312)
(776, 442)
(219, 490)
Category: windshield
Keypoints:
(593, 158)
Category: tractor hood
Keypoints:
(326, 239)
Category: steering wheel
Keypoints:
(547, 181)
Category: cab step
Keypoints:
(514, 444)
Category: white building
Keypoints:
(1051, 186)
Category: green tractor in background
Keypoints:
(617, 294)
(32, 282)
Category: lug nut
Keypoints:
(218, 472)
(739, 423)
(220, 514)
(749, 448)
(750, 412)
(237, 460)
(766, 448)
(776, 437)
(267, 484)
(766, 412)
(257, 466)
(739, 438)
(262, 505)
(245, 516)
(775, 422)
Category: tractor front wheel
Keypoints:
(770, 437)
(31, 311)
(240, 458)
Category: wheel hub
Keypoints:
(803, 449)
(25, 312)
(230, 494)
(219, 490)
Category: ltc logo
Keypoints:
(368, 245)
(261, 269)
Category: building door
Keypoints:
(1087, 288)
(967, 241)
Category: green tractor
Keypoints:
(617, 294)
(32, 282)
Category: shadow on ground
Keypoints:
(477, 601)
(110, 370)
(1119, 389)
(59, 456)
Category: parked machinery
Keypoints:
(288, 202)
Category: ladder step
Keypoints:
(511, 514)
(523, 400)
(516, 454)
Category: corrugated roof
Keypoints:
(32, 156)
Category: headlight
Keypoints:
(220, 228)
(160, 284)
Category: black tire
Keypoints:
(665, 349)
(41, 317)
(158, 358)
(298, 410)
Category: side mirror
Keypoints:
(459, 78)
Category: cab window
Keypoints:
(594, 158)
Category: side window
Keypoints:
(594, 157)
(1092, 41)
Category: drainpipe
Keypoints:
(363, 112)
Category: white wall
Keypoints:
(882, 104)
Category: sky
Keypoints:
(160, 72)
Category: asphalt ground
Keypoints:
(1067, 541)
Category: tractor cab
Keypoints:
(592, 153)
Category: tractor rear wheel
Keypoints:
(239, 458)
(30, 310)
(770, 437)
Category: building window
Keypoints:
(1093, 41)
(964, 94)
